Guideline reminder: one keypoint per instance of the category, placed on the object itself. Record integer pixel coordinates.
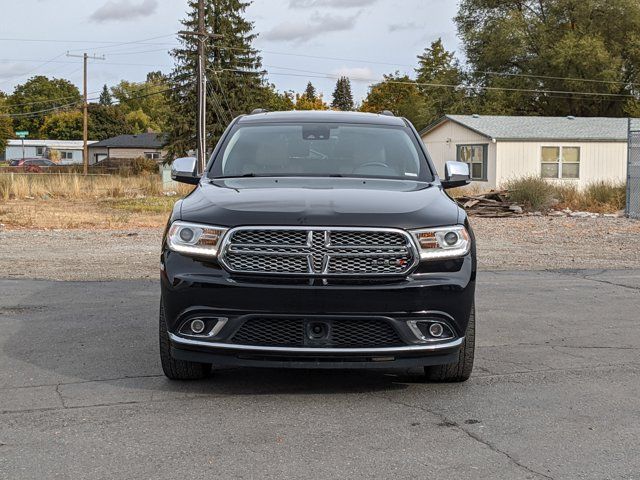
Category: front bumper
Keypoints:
(192, 288)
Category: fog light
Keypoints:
(436, 330)
(197, 326)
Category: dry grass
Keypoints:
(76, 186)
(535, 193)
(76, 202)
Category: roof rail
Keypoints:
(388, 113)
(255, 111)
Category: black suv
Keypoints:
(318, 240)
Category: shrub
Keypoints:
(143, 165)
(606, 196)
(531, 192)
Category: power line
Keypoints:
(39, 112)
(48, 101)
(373, 62)
(443, 85)
(110, 44)
(46, 62)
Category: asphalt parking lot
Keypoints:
(555, 393)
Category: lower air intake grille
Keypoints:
(291, 332)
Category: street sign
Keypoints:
(22, 134)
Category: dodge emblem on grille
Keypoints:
(319, 255)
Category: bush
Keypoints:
(606, 196)
(531, 192)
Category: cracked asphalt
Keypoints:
(555, 393)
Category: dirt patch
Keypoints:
(113, 213)
(520, 243)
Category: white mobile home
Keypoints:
(499, 148)
(70, 150)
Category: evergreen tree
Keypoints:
(105, 97)
(437, 66)
(234, 81)
(106, 121)
(310, 92)
(342, 95)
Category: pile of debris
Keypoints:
(491, 204)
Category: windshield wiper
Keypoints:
(244, 175)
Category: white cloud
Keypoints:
(13, 70)
(355, 73)
(330, 3)
(303, 31)
(124, 10)
(400, 27)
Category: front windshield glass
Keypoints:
(321, 149)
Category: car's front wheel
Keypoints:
(177, 369)
(459, 371)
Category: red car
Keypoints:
(38, 162)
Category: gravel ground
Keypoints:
(518, 243)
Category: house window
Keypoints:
(66, 155)
(40, 151)
(152, 155)
(560, 162)
(476, 157)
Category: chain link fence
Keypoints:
(633, 170)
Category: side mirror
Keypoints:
(183, 170)
(456, 174)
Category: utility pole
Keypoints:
(85, 110)
(201, 85)
(202, 90)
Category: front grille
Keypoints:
(342, 333)
(318, 251)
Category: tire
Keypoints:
(177, 369)
(461, 370)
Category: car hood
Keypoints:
(319, 202)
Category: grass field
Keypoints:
(74, 201)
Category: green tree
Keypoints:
(275, 101)
(37, 94)
(342, 95)
(62, 126)
(105, 96)
(398, 94)
(310, 92)
(138, 121)
(150, 96)
(554, 45)
(441, 82)
(6, 124)
(305, 103)
(235, 80)
(106, 121)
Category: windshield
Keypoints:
(321, 149)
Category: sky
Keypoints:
(362, 39)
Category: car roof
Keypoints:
(322, 116)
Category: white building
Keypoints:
(70, 150)
(499, 148)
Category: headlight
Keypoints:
(195, 239)
(443, 242)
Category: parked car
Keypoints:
(33, 164)
(318, 240)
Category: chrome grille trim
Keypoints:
(320, 254)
